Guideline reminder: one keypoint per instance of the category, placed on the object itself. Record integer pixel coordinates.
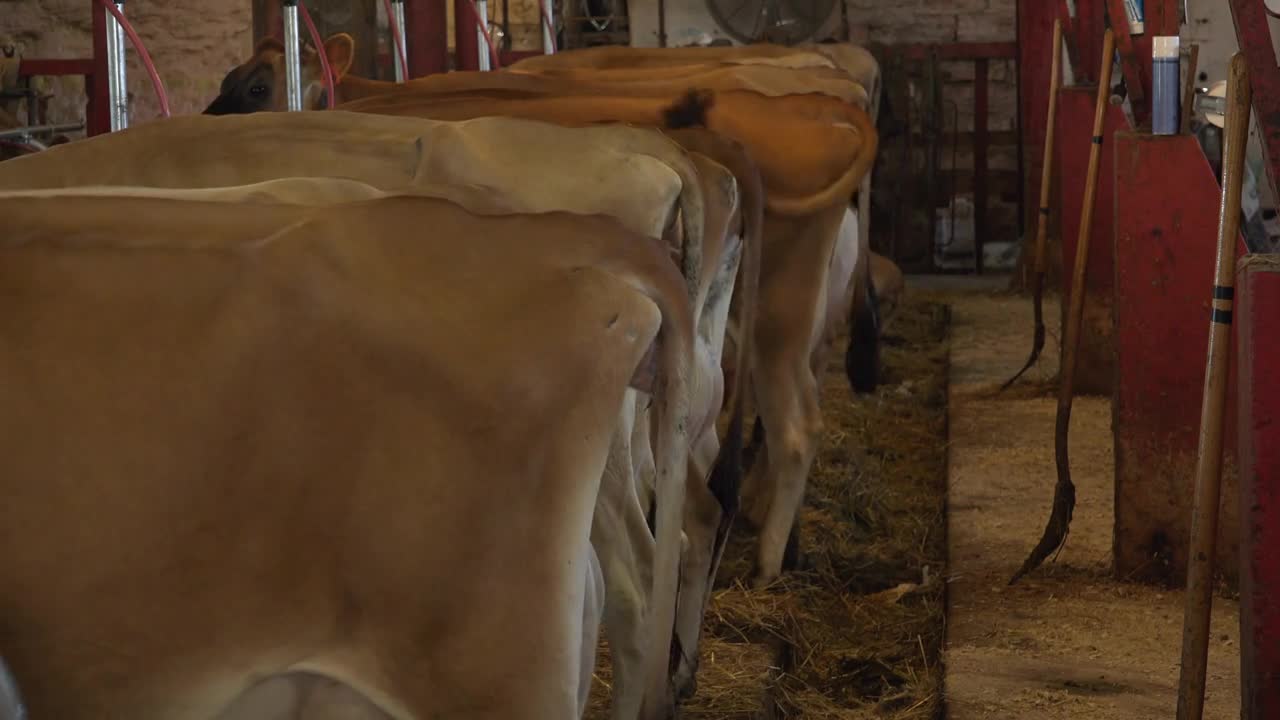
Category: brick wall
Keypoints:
(192, 44)
(893, 22)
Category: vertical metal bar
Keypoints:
(548, 44)
(482, 13)
(398, 42)
(117, 78)
(979, 160)
(292, 56)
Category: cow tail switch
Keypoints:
(689, 111)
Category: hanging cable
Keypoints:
(330, 90)
(401, 56)
(483, 24)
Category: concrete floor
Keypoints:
(1067, 641)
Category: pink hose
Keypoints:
(142, 54)
(324, 56)
(483, 24)
(401, 56)
(546, 21)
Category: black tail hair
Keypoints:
(862, 358)
(689, 111)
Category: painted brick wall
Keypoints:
(192, 44)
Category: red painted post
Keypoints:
(1096, 366)
(1087, 30)
(979, 160)
(98, 106)
(426, 24)
(1258, 355)
(1167, 214)
(466, 46)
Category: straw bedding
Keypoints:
(857, 632)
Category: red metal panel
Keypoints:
(510, 56)
(1167, 201)
(1096, 365)
(96, 88)
(466, 46)
(426, 24)
(1137, 72)
(1255, 42)
(1161, 17)
(1087, 30)
(1258, 356)
(1035, 57)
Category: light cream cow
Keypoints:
(600, 180)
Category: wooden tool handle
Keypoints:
(1046, 169)
(1204, 513)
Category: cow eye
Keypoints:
(257, 90)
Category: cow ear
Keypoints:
(340, 48)
(269, 43)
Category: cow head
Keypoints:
(259, 84)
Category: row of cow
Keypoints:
(382, 411)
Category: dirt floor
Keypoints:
(1067, 641)
(858, 632)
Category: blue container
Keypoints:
(1165, 85)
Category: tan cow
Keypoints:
(797, 251)
(340, 369)
(595, 178)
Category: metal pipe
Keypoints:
(1204, 512)
(397, 27)
(117, 77)
(482, 19)
(292, 56)
(548, 19)
(25, 132)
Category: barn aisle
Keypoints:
(1068, 641)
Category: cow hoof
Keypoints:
(686, 687)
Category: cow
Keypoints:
(763, 68)
(807, 188)
(276, 397)
(599, 179)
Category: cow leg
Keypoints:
(791, 321)
(701, 521)
(793, 427)
(625, 548)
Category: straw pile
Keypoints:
(857, 632)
